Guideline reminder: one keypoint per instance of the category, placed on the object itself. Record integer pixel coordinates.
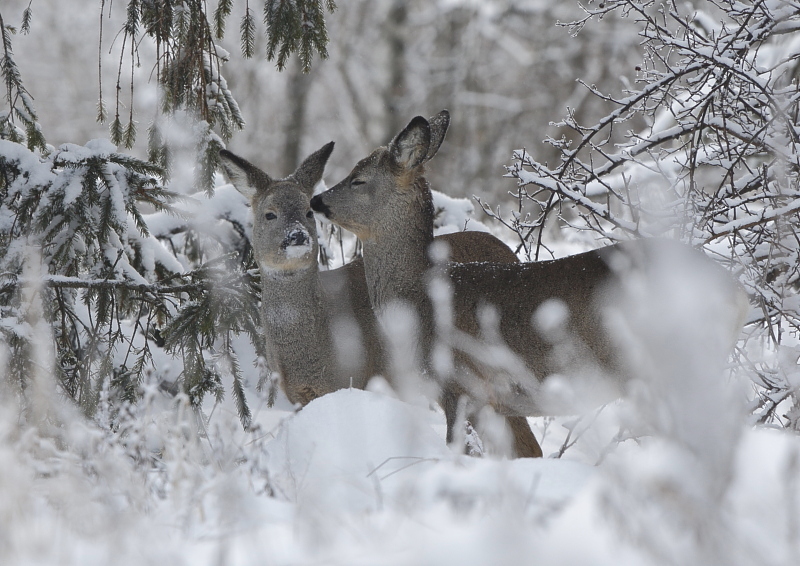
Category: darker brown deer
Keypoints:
(512, 325)
(306, 312)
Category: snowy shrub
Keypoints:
(717, 165)
(115, 293)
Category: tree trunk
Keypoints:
(395, 91)
(297, 95)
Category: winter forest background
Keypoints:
(138, 421)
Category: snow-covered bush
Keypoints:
(116, 293)
(718, 165)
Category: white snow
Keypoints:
(454, 215)
(361, 478)
(294, 252)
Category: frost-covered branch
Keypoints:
(717, 163)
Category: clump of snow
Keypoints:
(153, 252)
(36, 171)
(226, 203)
(454, 214)
(351, 462)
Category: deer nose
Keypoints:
(297, 238)
(318, 206)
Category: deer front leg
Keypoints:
(524, 443)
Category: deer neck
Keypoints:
(396, 261)
(292, 307)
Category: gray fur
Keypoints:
(301, 306)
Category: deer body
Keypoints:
(544, 317)
(304, 309)
(579, 292)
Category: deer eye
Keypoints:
(270, 216)
(357, 182)
(310, 214)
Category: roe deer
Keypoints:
(545, 318)
(305, 310)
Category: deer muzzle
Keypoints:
(318, 206)
(296, 237)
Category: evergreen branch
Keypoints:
(242, 409)
(203, 276)
(248, 33)
(116, 130)
(101, 107)
(220, 16)
(26, 19)
(296, 26)
(19, 100)
(60, 282)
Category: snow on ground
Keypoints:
(375, 452)
(358, 477)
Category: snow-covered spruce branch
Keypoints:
(56, 282)
(119, 286)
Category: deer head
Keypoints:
(388, 184)
(284, 230)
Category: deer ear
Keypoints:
(438, 125)
(241, 173)
(410, 147)
(309, 173)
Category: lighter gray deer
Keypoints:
(305, 310)
(512, 325)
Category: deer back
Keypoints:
(570, 318)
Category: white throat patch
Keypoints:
(294, 252)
